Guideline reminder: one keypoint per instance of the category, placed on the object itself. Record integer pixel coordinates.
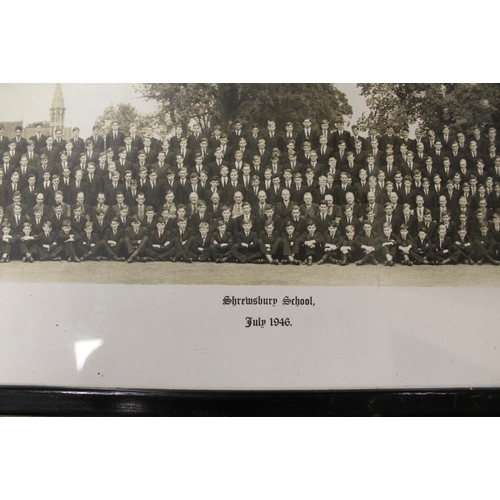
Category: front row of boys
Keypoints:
(171, 239)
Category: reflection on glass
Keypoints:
(83, 349)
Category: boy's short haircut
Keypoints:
(6, 224)
(368, 223)
(246, 204)
(310, 223)
(27, 224)
(201, 203)
(181, 206)
(289, 224)
(387, 204)
(333, 224)
(194, 175)
(220, 223)
(386, 225)
(66, 223)
(135, 220)
(266, 208)
(149, 208)
(88, 225)
(406, 205)
(422, 229)
(160, 220)
(268, 223)
(203, 224)
(403, 227)
(181, 219)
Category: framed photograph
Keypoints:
(249, 249)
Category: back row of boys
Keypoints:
(441, 190)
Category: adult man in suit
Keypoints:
(115, 139)
(77, 185)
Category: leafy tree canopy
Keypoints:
(212, 104)
(431, 105)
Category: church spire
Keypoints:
(57, 110)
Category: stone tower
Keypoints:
(57, 110)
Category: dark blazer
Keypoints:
(78, 146)
(113, 143)
(98, 144)
(39, 143)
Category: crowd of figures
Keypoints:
(314, 195)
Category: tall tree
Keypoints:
(220, 103)
(124, 114)
(459, 105)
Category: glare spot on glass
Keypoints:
(83, 349)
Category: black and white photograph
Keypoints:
(233, 236)
(250, 184)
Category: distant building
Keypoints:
(57, 110)
(57, 114)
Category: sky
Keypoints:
(85, 101)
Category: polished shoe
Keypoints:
(3, 260)
(57, 259)
(309, 261)
(296, 262)
(374, 262)
(275, 262)
(77, 259)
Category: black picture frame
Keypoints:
(62, 401)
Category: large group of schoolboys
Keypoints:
(314, 195)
